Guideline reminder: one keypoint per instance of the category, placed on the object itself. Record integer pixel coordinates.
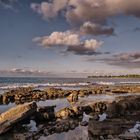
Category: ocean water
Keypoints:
(40, 82)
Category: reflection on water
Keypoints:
(79, 133)
(105, 97)
(59, 103)
(6, 107)
(62, 102)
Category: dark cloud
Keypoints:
(95, 29)
(136, 29)
(127, 60)
(77, 50)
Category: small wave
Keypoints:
(39, 85)
(105, 83)
(131, 82)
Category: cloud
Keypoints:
(136, 29)
(100, 10)
(24, 72)
(97, 11)
(49, 10)
(127, 60)
(89, 16)
(69, 41)
(7, 4)
(95, 29)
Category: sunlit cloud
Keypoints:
(71, 42)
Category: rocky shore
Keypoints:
(108, 119)
(22, 95)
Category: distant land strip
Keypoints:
(118, 76)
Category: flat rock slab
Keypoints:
(109, 127)
(16, 114)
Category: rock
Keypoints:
(73, 97)
(123, 107)
(68, 112)
(84, 123)
(128, 136)
(110, 137)
(119, 91)
(5, 99)
(16, 114)
(45, 113)
(109, 127)
(54, 93)
(1, 99)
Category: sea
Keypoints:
(7, 83)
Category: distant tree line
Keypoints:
(118, 76)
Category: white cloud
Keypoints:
(70, 41)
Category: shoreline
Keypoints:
(84, 110)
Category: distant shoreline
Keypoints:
(120, 76)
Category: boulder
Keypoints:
(16, 114)
(73, 97)
(69, 112)
(123, 107)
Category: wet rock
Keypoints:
(123, 107)
(128, 136)
(119, 91)
(1, 99)
(68, 112)
(73, 97)
(108, 127)
(100, 107)
(45, 113)
(84, 123)
(60, 126)
(110, 137)
(5, 99)
(54, 93)
(84, 92)
(16, 114)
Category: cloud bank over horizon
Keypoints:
(127, 60)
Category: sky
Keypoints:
(69, 38)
